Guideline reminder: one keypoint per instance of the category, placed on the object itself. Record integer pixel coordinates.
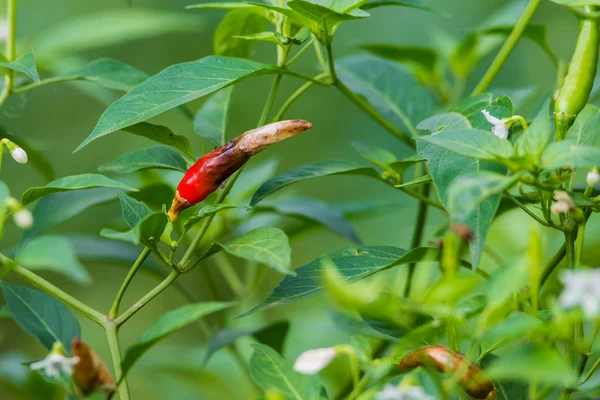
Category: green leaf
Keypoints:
(508, 279)
(175, 85)
(112, 74)
(237, 23)
(292, 15)
(586, 127)
(4, 312)
(515, 326)
(211, 119)
(73, 182)
(324, 15)
(443, 122)
(87, 32)
(24, 64)
(266, 245)
(147, 231)
(41, 315)
(569, 154)
(353, 263)
(416, 181)
(274, 37)
(166, 325)
(161, 134)
(388, 88)
(209, 210)
(532, 143)
(133, 211)
(533, 363)
(156, 157)
(227, 337)
(473, 191)
(37, 159)
(230, 6)
(53, 253)
(472, 143)
(471, 107)
(536, 33)
(271, 371)
(57, 208)
(577, 3)
(403, 3)
(422, 62)
(314, 170)
(317, 211)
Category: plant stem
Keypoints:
(329, 50)
(226, 268)
(507, 48)
(147, 298)
(369, 110)
(114, 311)
(417, 237)
(115, 353)
(302, 50)
(10, 49)
(55, 292)
(320, 57)
(296, 95)
(49, 81)
(570, 250)
(529, 212)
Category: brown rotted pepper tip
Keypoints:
(90, 374)
(179, 204)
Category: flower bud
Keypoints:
(16, 152)
(312, 361)
(563, 203)
(23, 218)
(211, 170)
(593, 177)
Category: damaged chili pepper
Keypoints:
(90, 373)
(207, 174)
(443, 359)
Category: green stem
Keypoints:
(49, 81)
(330, 62)
(507, 48)
(55, 292)
(114, 311)
(295, 96)
(369, 110)
(579, 246)
(529, 212)
(10, 49)
(302, 50)
(570, 247)
(417, 238)
(320, 57)
(115, 353)
(232, 278)
(147, 298)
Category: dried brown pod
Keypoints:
(90, 374)
(207, 174)
(473, 380)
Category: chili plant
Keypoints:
(514, 326)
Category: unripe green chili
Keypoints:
(579, 81)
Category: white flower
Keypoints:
(582, 288)
(19, 155)
(23, 218)
(499, 129)
(312, 361)
(391, 392)
(593, 177)
(563, 203)
(55, 364)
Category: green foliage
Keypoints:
(40, 315)
(157, 157)
(211, 119)
(237, 23)
(24, 64)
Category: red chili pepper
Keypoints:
(443, 359)
(207, 174)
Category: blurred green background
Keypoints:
(58, 117)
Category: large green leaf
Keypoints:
(271, 371)
(472, 143)
(57, 208)
(324, 16)
(403, 3)
(41, 315)
(53, 253)
(74, 182)
(275, 334)
(175, 85)
(389, 89)
(586, 128)
(133, 211)
(211, 119)
(314, 170)
(108, 28)
(237, 23)
(421, 61)
(156, 157)
(24, 64)
(230, 6)
(314, 210)
(166, 325)
(532, 143)
(533, 363)
(112, 74)
(352, 263)
(473, 191)
(162, 135)
(569, 154)
(266, 245)
(515, 326)
(209, 210)
(147, 231)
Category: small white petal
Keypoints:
(19, 155)
(55, 364)
(593, 177)
(581, 289)
(312, 361)
(501, 131)
(560, 207)
(391, 392)
(491, 119)
(23, 218)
